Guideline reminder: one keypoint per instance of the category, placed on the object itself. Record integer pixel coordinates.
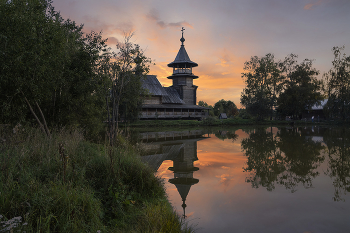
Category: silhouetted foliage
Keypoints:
(301, 89)
(225, 106)
(262, 78)
(205, 104)
(285, 86)
(338, 86)
(47, 67)
(124, 70)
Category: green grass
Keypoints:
(86, 188)
(213, 121)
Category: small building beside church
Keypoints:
(177, 101)
(222, 116)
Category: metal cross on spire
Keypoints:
(182, 38)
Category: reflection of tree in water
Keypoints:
(286, 158)
(301, 157)
(263, 158)
(338, 143)
(226, 134)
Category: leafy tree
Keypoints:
(124, 69)
(47, 67)
(302, 90)
(243, 114)
(262, 78)
(205, 104)
(338, 85)
(28, 38)
(223, 106)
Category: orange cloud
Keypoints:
(223, 63)
(310, 5)
(112, 41)
(224, 178)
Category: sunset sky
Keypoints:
(220, 35)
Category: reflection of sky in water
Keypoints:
(223, 201)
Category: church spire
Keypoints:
(182, 38)
(182, 59)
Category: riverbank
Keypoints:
(212, 121)
(67, 184)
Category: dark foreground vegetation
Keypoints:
(67, 184)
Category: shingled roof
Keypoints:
(152, 84)
(172, 97)
(182, 58)
(169, 94)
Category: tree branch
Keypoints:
(42, 116)
(36, 117)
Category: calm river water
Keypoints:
(275, 179)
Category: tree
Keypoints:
(47, 67)
(301, 88)
(25, 79)
(262, 86)
(124, 69)
(338, 85)
(223, 106)
(205, 104)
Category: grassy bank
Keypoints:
(66, 184)
(212, 121)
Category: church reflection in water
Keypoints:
(179, 147)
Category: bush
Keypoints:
(244, 114)
(209, 121)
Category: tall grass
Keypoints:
(67, 184)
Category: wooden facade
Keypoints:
(166, 111)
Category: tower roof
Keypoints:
(182, 57)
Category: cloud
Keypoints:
(225, 58)
(224, 178)
(112, 41)
(154, 16)
(311, 5)
(96, 24)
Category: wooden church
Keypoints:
(177, 101)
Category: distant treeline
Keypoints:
(276, 89)
(288, 88)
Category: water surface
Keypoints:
(256, 179)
